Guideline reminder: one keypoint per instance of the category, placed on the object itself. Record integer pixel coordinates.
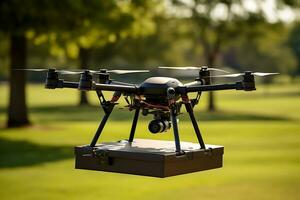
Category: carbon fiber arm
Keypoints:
(201, 88)
(115, 87)
(53, 84)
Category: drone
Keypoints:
(161, 97)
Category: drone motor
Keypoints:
(85, 82)
(52, 80)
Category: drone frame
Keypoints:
(202, 83)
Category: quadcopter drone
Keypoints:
(161, 97)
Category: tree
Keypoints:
(219, 21)
(117, 21)
(294, 44)
(17, 17)
(269, 52)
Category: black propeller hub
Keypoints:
(248, 73)
(103, 70)
(204, 76)
(249, 81)
(104, 76)
(86, 80)
(52, 79)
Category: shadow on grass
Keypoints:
(23, 153)
(94, 113)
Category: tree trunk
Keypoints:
(211, 97)
(84, 56)
(17, 110)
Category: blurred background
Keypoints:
(39, 128)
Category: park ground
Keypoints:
(260, 131)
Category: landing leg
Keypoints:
(134, 122)
(189, 109)
(101, 125)
(175, 130)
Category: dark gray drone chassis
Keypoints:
(158, 96)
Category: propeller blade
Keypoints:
(193, 83)
(180, 68)
(193, 68)
(77, 72)
(263, 74)
(219, 70)
(68, 72)
(116, 71)
(228, 75)
(46, 70)
(120, 83)
(32, 70)
(242, 74)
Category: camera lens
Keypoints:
(158, 126)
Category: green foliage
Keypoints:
(171, 44)
(148, 33)
(76, 24)
(266, 52)
(294, 44)
(216, 22)
(120, 20)
(3, 55)
(17, 16)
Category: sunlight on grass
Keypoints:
(260, 132)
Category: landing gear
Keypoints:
(163, 119)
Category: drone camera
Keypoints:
(171, 93)
(159, 126)
(160, 123)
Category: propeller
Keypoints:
(119, 71)
(76, 72)
(246, 73)
(48, 70)
(193, 68)
(32, 70)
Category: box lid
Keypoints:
(154, 150)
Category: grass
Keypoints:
(260, 131)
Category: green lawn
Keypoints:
(260, 131)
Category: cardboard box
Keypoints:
(148, 157)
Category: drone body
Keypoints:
(158, 86)
(161, 97)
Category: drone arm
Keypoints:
(120, 83)
(52, 84)
(115, 87)
(68, 84)
(200, 88)
(59, 83)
